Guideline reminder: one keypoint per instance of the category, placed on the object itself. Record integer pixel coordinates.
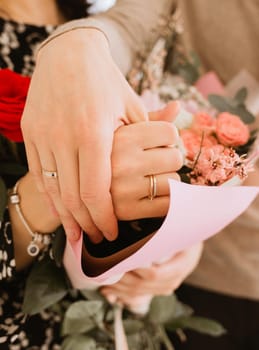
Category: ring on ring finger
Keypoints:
(152, 187)
(50, 174)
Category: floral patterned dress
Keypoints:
(17, 331)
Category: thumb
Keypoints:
(136, 111)
(168, 113)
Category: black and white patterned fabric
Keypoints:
(17, 331)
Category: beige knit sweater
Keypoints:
(225, 35)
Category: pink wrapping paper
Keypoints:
(209, 83)
(195, 214)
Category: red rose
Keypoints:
(13, 93)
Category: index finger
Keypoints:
(95, 181)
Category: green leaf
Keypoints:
(241, 95)
(78, 342)
(82, 316)
(219, 102)
(233, 106)
(199, 324)
(92, 295)
(244, 114)
(45, 286)
(133, 326)
(195, 59)
(58, 245)
(162, 309)
(182, 310)
(188, 72)
(3, 198)
(135, 341)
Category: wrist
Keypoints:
(68, 36)
(31, 221)
(35, 207)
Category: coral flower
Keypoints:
(231, 131)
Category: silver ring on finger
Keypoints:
(52, 174)
(152, 187)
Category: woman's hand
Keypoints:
(159, 279)
(141, 150)
(76, 99)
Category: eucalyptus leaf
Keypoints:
(189, 68)
(244, 114)
(46, 285)
(188, 72)
(58, 245)
(82, 316)
(219, 102)
(195, 60)
(199, 324)
(79, 342)
(233, 106)
(162, 309)
(92, 295)
(182, 310)
(135, 341)
(3, 198)
(241, 95)
(132, 326)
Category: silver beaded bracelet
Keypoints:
(38, 239)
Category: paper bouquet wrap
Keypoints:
(195, 214)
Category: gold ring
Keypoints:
(152, 187)
(49, 174)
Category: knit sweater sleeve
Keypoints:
(128, 26)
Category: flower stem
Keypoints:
(165, 339)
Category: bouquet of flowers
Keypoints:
(88, 320)
(215, 138)
(218, 147)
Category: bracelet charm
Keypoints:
(38, 239)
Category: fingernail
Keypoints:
(110, 236)
(97, 238)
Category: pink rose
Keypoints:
(193, 142)
(203, 122)
(230, 130)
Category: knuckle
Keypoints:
(51, 188)
(174, 132)
(153, 273)
(137, 289)
(71, 201)
(36, 173)
(67, 220)
(89, 197)
(171, 132)
(178, 160)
